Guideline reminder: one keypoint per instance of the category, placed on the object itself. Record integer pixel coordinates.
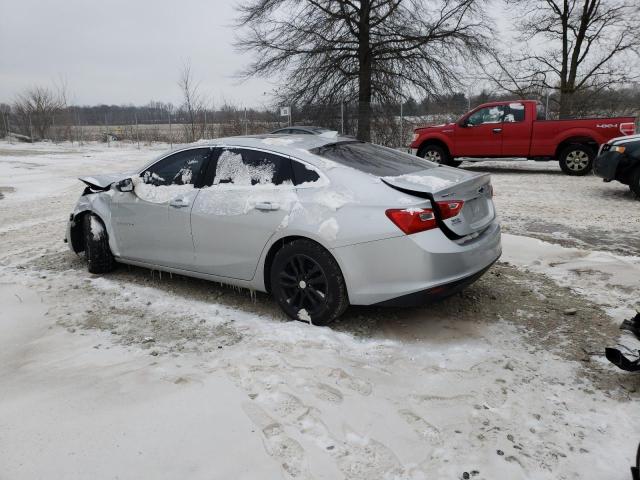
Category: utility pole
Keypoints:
(170, 135)
(246, 126)
(7, 122)
(401, 119)
(30, 129)
(342, 116)
(546, 108)
(137, 133)
(106, 128)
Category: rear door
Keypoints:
(152, 223)
(250, 196)
(516, 131)
(482, 134)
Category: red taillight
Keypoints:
(628, 128)
(412, 220)
(450, 208)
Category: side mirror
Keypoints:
(125, 185)
(463, 123)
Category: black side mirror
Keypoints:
(463, 123)
(125, 185)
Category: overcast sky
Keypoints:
(122, 51)
(127, 51)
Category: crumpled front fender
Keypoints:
(98, 204)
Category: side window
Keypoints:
(240, 166)
(514, 113)
(181, 168)
(302, 174)
(541, 112)
(487, 115)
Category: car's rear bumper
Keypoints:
(435, 293)
(381, 271)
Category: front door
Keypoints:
(152, 223)
(482, 134)
(250, 197)
(516, 132)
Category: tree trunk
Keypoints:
(364, 75)
(566, 102)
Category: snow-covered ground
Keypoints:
(137, 375)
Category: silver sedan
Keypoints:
(318, 221)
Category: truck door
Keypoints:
(480, 134)
(516, 130)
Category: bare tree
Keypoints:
(331, 51)
(192, 100)
(35, 110)
(584, 47)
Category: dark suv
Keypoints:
(619, 159)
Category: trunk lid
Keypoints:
(443, 184)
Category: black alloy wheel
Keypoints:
(304, 284)
(307, 282)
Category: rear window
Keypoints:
(373, 159)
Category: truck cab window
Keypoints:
(493, 114)
(514, 113)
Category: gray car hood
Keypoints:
(103, 182)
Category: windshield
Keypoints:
(373, 159)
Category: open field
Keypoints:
(141, 375)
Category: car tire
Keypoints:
(576, 159)
(96, 245)
(307, 283)
(437, 154)
(634, 184)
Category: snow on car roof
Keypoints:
(286, 144)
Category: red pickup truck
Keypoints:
(518, 129)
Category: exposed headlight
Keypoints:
(415, 137)
(617, 148)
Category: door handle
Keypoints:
(178, 202)
(267, 206)
(496, 130)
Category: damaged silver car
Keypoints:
(320, 222)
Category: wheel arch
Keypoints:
(434, 141)
(76, 233)
(580, 139)
(277, 245)
(90, 207)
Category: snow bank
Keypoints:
(610, 280)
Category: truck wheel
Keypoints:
(634, 184)
(96, 246)
(437, 154)
(576, 159)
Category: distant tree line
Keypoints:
(39, 114)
